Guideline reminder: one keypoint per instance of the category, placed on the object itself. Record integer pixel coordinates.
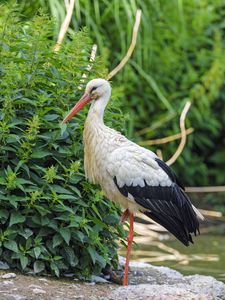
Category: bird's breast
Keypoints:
(96, 148)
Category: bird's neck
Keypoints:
(96, 111)
(94, 136)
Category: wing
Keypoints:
(140, 175)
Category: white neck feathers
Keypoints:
(96, 111)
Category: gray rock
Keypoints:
(8, 282)
(17, 297)
(167, 284)
(141, 265)
(8, 275)
(98, 279)
(34, 286)
(3, 265)
(38, 291)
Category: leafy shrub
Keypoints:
(52, 220)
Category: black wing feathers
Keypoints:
(169, 206)
(169, 172)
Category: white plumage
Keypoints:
(132, 175)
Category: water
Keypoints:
(206, 256)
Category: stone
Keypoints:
(38, 291)
(98, 279)
(8, 282)
(3, 265)
(34, 286)
(168, 284)
(8, 275)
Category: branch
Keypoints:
(67, 4)
(131, 48)
(65, 24)
(89, 66)
(183, 135)
(211, 213)
(205, 189)
(166, 139)
(159, 153)
(92, 59)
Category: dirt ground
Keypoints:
(24, 287)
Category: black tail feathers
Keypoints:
(177, 227)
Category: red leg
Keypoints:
(129, 246)
(125, 216)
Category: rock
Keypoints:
(18, 297)
(98, 279)
(3, 265)
(141, 265)
(156, 292)
(38, 291)
(167, 284)
(34, 286)
(43, 279)
(89, 283)
(8, 282)
(8, 275)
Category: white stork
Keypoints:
(132, 175)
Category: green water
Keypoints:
(206, 256)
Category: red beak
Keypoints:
(85, 99)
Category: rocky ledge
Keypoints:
(147, 282)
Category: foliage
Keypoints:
(179, 56)
(52, 220)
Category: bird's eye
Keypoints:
(93, 89)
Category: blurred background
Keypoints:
(178, 57)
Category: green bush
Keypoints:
(51, 219)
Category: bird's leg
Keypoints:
(125, 216)
(129, 246)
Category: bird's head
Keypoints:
(95, 89)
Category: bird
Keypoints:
(131, 175)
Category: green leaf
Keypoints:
(39, 266)
(51, 117)
(66, 234)
(23, 181)
(26, 233)
(37, 251)
(60, 190)
(11, 245)
(92, 253)
(3, 215)
(23, 261)
(13, 200)
(63, 128)
(79, 235)
(70, 256)
(40, 154)
(57, 240)
(16, 218)
(54, 268)
(2, 181)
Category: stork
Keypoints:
(131, 175)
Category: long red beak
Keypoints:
(85, 99)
